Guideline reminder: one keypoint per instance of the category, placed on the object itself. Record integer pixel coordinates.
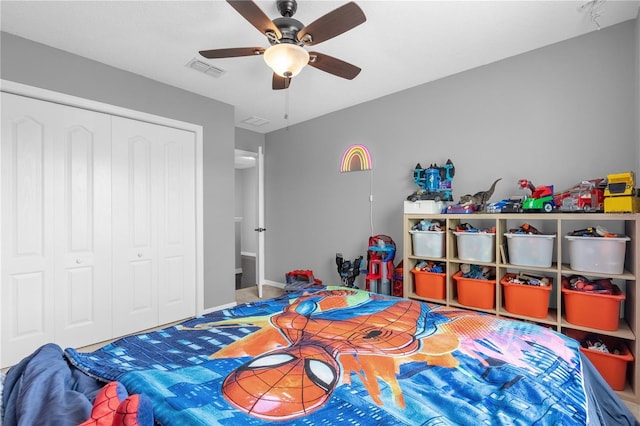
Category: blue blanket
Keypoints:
(348, 356)
(43, 389)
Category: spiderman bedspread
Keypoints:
(347, 356)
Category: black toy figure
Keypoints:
(348, 270)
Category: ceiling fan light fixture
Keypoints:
(286, 59)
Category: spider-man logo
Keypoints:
(293, 381)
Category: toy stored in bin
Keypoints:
(427, 243)
(429, 284)
(604, 255)
(475, 293)
(476, 246)
(525, 299)
(301, 280)
(530, 249)
(598, 311)
(610, 363)
(612, 367)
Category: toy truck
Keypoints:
(620, 194)
(541, 198)
(587, 196)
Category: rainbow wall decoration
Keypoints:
(356, 158)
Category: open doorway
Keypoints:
(249, 246)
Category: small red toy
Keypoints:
(300, 279)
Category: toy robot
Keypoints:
(348, 270)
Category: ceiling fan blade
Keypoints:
(232, 53)
(333, 65)
(332, 24)
(280, 82)
(256, 17)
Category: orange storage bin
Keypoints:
(475, 293)
(599, 311)
(611, 366)
(523, 299)
(429, 284)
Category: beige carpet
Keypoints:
(250, 294)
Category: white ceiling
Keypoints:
(402, 44)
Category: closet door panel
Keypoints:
(177, 228)
(135, 261)
(83, 228)
(27, 225)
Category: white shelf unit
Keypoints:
(559, 224)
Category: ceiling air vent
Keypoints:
(256, 121)
(203, 67)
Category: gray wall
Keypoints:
(556, 115)
(638, 86)
(248, 140)
(22, 62)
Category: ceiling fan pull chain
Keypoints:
(286, 106)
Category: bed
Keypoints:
(327, 356)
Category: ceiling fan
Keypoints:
(287, 36)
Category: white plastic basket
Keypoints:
(597, 254)
(530, 249)
(428, 243)
(476, 246)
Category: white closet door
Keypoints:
(153, 224)
(55, 226)
(82, 217)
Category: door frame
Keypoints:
(260, 260)
(259, 254)
(74, 101)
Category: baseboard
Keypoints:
(274, 284)
(233, 304)
(219, 308)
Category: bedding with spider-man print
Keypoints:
(338, 355)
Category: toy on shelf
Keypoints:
(507, 205)
(541, 198)
(301, 280)
(480, 198)
(380, 255)
(620, 194)
(461, 208)
(587, 196)
(348, 270)
(434, 182)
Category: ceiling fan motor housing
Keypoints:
(289, 29)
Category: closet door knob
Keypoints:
(78, 261)
(139, 254)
